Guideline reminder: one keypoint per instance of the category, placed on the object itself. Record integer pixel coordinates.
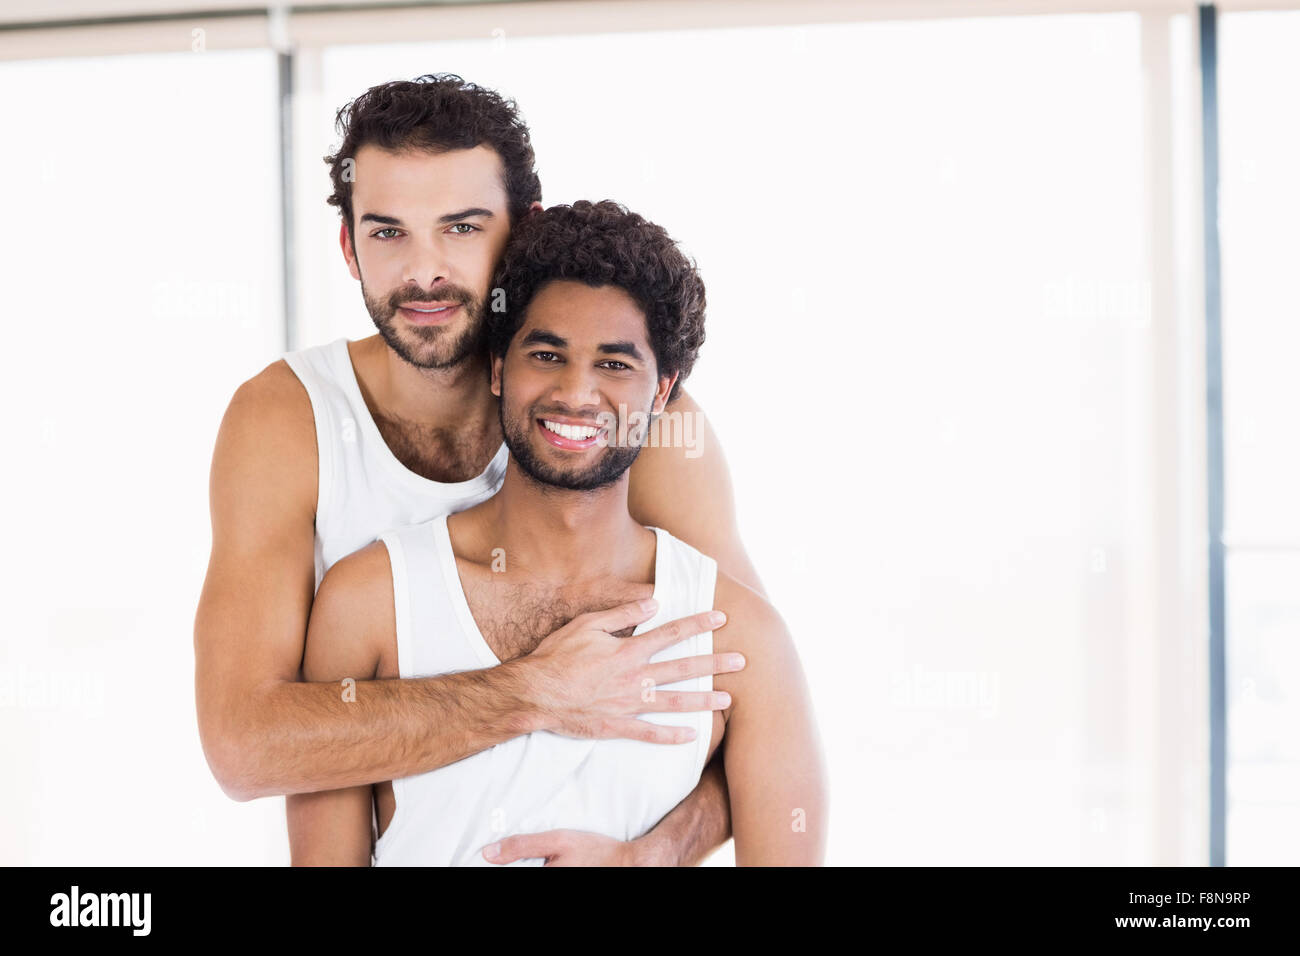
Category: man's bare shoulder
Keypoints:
(266, 447)
(753, 629)
(366, 570)
(353, 622)
(753, 624)
(773, 675)
(274, 400)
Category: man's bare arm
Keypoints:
(776, 776)
(352, 622)
(330, 828)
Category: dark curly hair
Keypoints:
(436, 112)
(605, 244)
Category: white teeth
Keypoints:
(443, 309)
(572, 432)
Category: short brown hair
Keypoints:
(436, 112)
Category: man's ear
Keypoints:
(496, 375)
(349, 253)
(665, 389)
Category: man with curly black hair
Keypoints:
(602, 313)
(601, 244)
(329, 447)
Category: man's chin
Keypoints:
(440, 347)
(575, 482)
(548, 466)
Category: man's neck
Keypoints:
(561, 536)
(401, 392)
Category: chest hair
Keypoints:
(439, 454)
(514, 617)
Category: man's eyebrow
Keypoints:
(543, 337)
(547, 337)
(467, 214)
(450, 217)
(620, 348)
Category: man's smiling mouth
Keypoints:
(574, 432)
(569, 435)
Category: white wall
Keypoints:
(142, 285)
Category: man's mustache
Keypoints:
(446, 294)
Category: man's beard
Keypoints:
(607, 469)
(429, 346)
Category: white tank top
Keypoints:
(540, 781)
(364, 490)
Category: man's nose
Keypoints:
(426, 264)
(575, 387)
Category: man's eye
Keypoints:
(468, 227)
(380, 234)
(545, 356)
(621, 365)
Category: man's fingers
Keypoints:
(525, 846)
(681, 701)
(624, 615)
(631, 728)
(684, 668)
(674, 632)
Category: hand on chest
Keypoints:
(514, 616)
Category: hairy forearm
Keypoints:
(296, 737)
(695, 827)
